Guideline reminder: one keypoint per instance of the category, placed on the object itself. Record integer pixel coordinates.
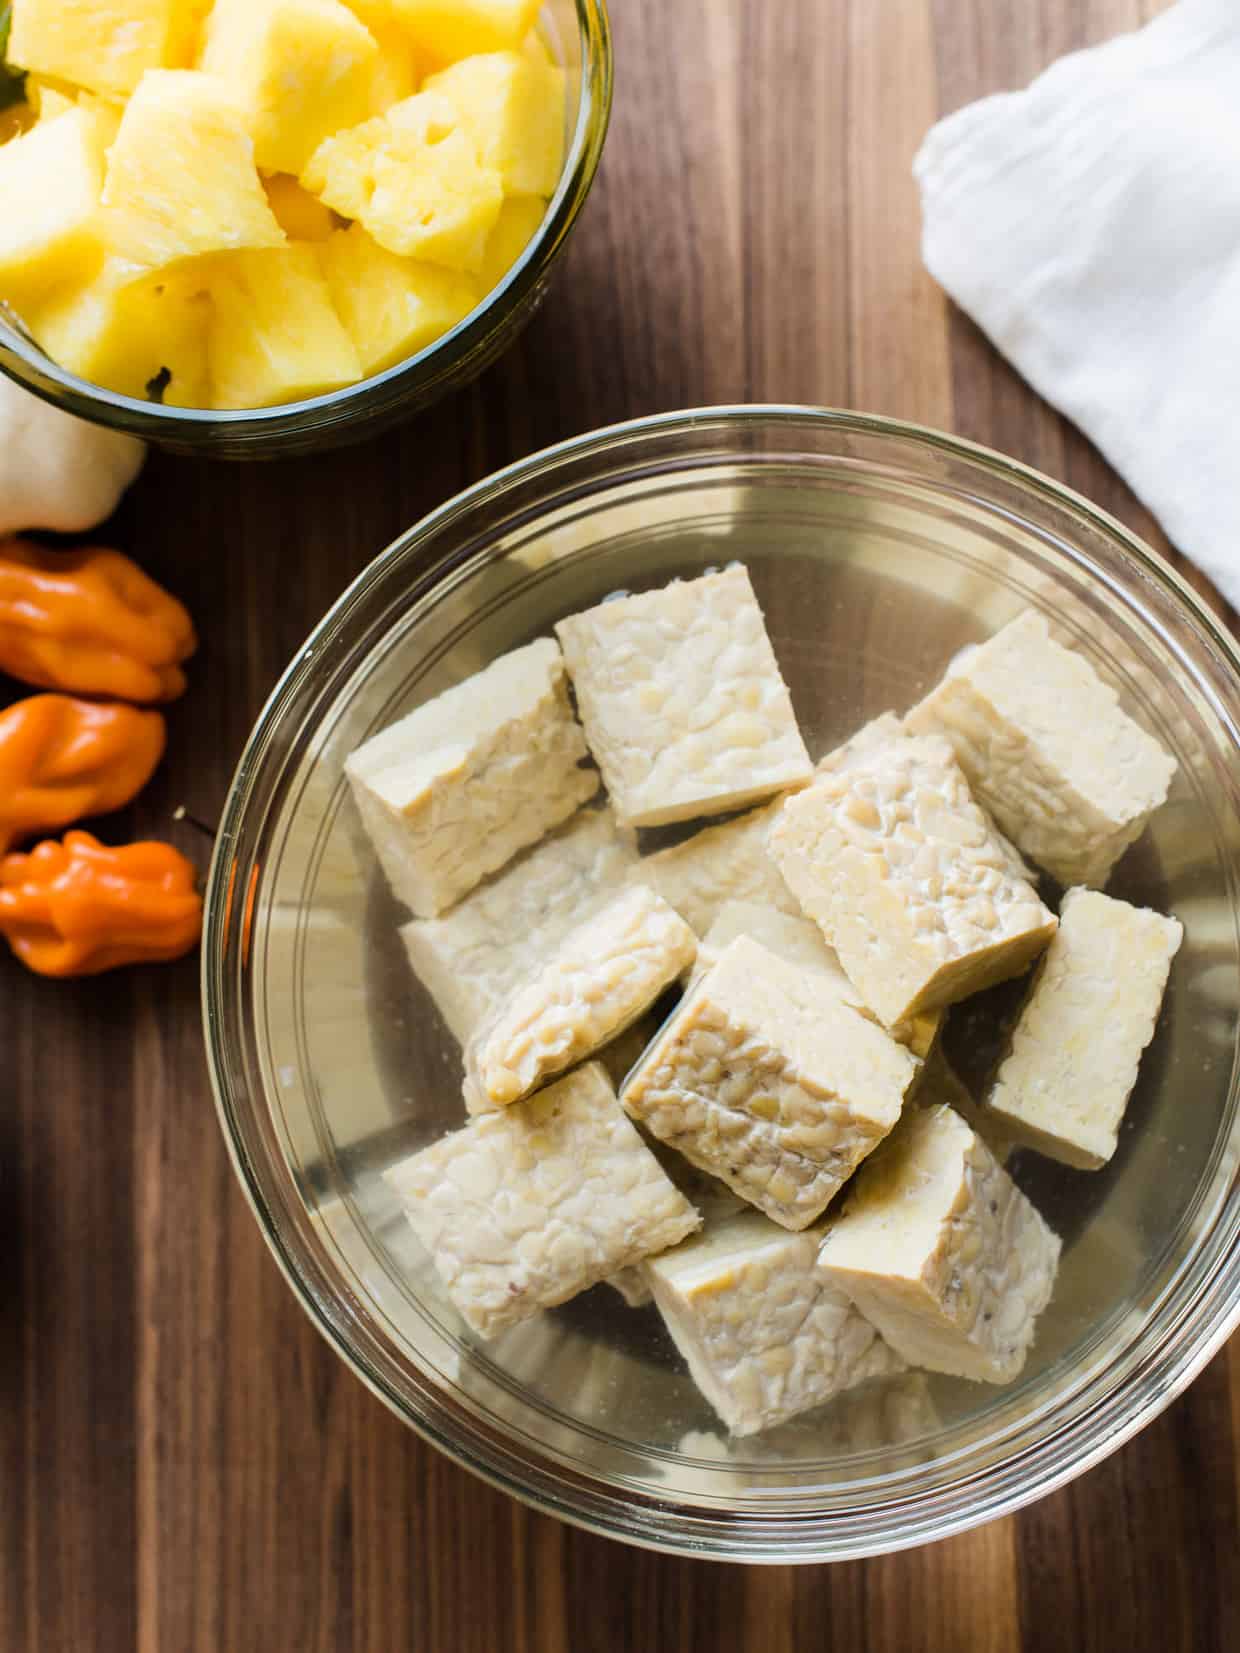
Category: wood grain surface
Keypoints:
(184, 1467)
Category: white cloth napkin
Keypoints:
(1091, 226)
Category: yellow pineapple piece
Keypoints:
(391, 307)
(186, 44)
(379, 16)
(300, 69)
(50, 178)
(48, 98)
(106, 114)
(514, 111)
(412, 178)
(449, 29)
(519, 218)
(105, 45)
(130, 331)
(301, 216)
(53, 103)
(537, 50)
(396, 70)
(274, 336)
(181, 179)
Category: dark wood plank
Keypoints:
(1122, 1554)
(186, 1467)
(67, 1402)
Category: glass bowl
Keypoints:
(877, 550)
(578, 34)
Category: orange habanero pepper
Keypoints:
(62, 759)
(77, 908)
(90, 622)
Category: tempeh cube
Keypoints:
(713, 1199)
(1076, 1048)
(632, 1285)
(880, 732)
(451, 792)
(1048, 750)
(767, 1080)
(938, 1247)
(528, 1206)
(896, 863)
(799, 941)
(622, 1053)
(940, 1084)
(764, 1336)
(795, 939)
(728, 862)
(682, 700)
(475, 956)
(895, 1411)
(599, 980)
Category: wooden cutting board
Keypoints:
(184, 1467)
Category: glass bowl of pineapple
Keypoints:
(251, 230)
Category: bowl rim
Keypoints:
(22, 360)
(1162, 1370)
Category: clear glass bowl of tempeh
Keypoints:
(721, 982)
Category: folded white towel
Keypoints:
(1091, 226)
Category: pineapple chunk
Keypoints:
(377, 15)
(449, 29)
(50, 179)
(274, 336)
(106, 115)
(48, 99)
(537, 50)
(105, 118)
(413, 179)
(301, 216)
(132, 332)
(391, 307)
(395, 73)
(181, 178)
(105, 45)
(187, 43)
(519, 218)
(300, 69)
(53, 103)
(514, 111)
